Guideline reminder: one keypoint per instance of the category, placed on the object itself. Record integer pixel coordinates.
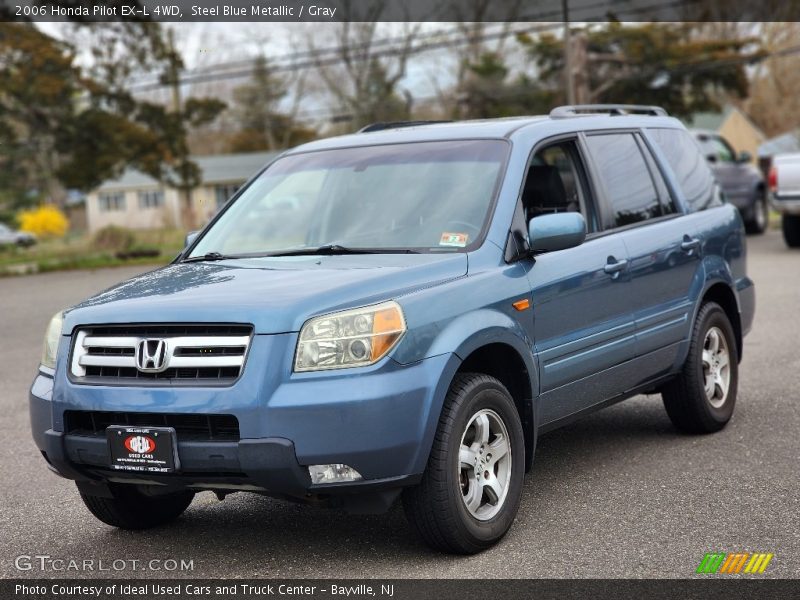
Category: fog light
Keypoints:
(333, 473)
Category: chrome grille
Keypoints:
(206, 353)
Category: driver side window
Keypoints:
(556, 183)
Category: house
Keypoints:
(735, 126)
(781, 144)
(138, 201)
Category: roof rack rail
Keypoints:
(396, 125)
(615, 110)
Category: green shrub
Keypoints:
(113, 239)
(139, 251)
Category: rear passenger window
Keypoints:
(691, 169)
(628, 183)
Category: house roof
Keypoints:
(708, 120)
(787, 142)
(713, 122)
(218, 168)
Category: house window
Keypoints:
(112, 202)
(151, 199)
(224, 193)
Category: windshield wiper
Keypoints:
(336, 249)
(208, 256)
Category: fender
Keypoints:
(470, 331)
(473, 330)
(714, 270)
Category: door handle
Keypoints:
(614, 267)
(689, 244)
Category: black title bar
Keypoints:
(398, 10)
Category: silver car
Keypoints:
(18, 238)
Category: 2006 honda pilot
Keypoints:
(401, 312)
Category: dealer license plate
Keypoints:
(145, 449)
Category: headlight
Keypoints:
(51, 339)
(352, 338)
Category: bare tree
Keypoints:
(482, 39)
(774, 102)
(363, 77)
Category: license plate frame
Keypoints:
(138, 449)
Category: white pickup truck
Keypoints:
(784, 186)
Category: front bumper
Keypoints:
(379, 420)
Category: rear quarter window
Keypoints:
(694, 177)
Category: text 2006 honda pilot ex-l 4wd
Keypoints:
(400, 312)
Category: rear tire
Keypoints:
(131, 509)
(791, 230)
(471, 488)
(759, 218)
(702, 397)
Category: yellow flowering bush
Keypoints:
(47, 221)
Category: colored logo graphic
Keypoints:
(140, 444)
(734, 562)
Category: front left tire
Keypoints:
(472, 486)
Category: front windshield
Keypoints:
(423, 197)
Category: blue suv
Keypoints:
(401, 312)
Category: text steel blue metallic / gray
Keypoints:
(402, 311)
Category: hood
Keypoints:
(276, 295)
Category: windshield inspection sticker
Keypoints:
(453, 239)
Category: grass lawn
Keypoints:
(76, 251)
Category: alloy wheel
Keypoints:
(484, 464)
(716, 367)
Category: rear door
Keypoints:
(663, 250)
(583, 325)
(663, 254)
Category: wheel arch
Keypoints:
(722, 293)
(504, 361)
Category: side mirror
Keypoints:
(744, 157)
(190, 238)
(556, 232)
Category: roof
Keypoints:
(787, 142)
(475, 129)
(506, 128)
(713, 122)
(708, 120)
(218, 168)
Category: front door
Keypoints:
(583, 325)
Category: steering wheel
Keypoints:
(464, 227)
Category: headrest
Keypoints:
(544, 188)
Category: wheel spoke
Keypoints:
(482, 433)
(466, 457)
(707, 358)
(709, 387)
(473, 496)
(722, 383)
(499, 447)
(723, 360)
(713, 341)
(494, 490)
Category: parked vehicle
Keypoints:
(741, 181)
(437, 297)
(9, 237)
(784, 185)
